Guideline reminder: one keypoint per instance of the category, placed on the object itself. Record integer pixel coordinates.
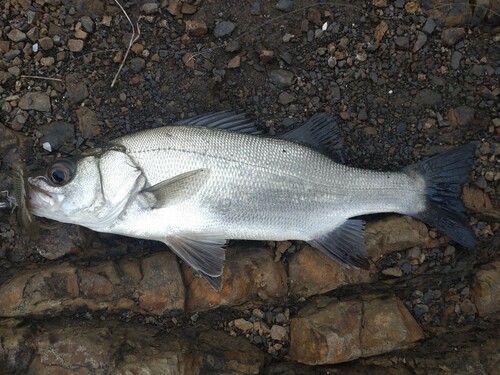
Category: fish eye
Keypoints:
(61, 172)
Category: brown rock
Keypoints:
(234, 62)
(331, 331)
(387, 325)
(76, 88)
(326, 331)
(312, 272)
(196, 27)
(452, 36)
(93, 285)
(249, 274)
(16, 35)
(379, 3)
(243, 324)
(223, 354)
(15, 351)
(38, 291)
(278, 332)
(75, 45)
(87, 122)
(161, 288)
(189, 60)
(380, 31)
(111, 347)
(266, 56)
(461, 116)
(486, 289)
(412, 7)
(188, 8)
(314, 16)
(75, 348)
(475, 199)
(39, 101)
(112, 286)
(174, 7)
(46, 43)
(395, 233)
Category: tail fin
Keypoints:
(444, 174)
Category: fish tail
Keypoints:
(443, 176)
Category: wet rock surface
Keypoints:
(406, 79)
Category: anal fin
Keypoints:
(345, 244)
(203, 252)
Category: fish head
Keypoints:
(91, 190)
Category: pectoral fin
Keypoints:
(345, 244)
(177, 188)
(203, 252)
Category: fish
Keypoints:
(205, 180)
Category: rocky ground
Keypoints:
(405, 78)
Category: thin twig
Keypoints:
(45, 78)
(132, 40)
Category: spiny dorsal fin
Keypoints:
(223, 120)
(177, 188)
(320, 132)
(204, 252)
(345, 244)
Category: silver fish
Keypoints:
(211, 178)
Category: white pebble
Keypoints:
(47, 147)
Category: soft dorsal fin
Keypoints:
(345, 244)
(225, 120)
(177, 188)
(320, 132)
(203, 252)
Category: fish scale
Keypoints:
(281, 188)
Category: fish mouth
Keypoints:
(39, 198)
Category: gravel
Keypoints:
(416, 88)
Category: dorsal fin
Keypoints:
(320, 132)
(225, 120)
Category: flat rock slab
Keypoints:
(329, 331)
(311, 272)
(151, 285)
(249, 274)
(112, 347)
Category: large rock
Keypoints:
(16, 350)
(38, 101)
(395, 233)
(114, 286)
(312, 272)
(329, 331)
(249, 274)
(161, 288)
(486, 289)
(110, 347)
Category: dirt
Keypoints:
(395, 103)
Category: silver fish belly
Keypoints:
(199, 186)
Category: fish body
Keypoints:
(193, 187)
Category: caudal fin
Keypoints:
(444, 174)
